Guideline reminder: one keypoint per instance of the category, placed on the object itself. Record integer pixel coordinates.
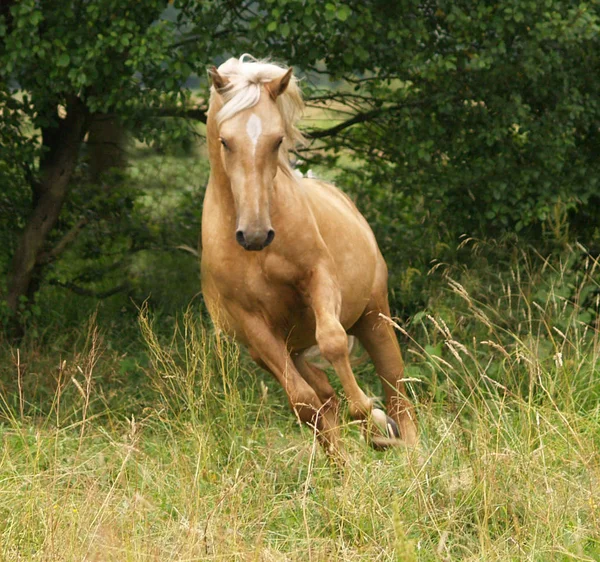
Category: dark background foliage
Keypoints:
(445, 121)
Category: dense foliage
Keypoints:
(446, 119)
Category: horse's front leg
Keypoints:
(324, 296)
(270, 352)
(318, 380)
(378, 338)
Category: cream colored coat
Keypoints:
(315, 274)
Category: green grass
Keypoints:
(188, 452)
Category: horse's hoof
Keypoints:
(384, 432)
(386, 425)
(393, 430)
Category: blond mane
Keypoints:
(245, 77)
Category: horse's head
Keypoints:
(251, 130)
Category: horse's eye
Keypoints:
(224, 143)
(279, 143)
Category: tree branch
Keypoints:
(82, 291)
(332, 131)
(361, 117)
(196, 113)
(62, 244)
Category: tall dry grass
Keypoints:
(201, 459)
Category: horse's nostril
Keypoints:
(270, 236)
(254, 240)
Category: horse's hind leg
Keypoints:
(378, 338)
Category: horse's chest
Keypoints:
(268, 286)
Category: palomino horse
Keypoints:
(288, 263)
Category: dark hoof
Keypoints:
(392, 428)
(384, 431)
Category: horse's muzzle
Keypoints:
(254, 241)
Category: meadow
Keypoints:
(186, 451)
(131, 431)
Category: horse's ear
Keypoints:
(278, 86)
(218, 81)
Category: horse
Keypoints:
(289, 263)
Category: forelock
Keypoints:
(244, 77)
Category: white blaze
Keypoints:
(254, 130)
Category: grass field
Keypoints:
(160, 441)
(186, 451)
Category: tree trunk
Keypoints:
(106, 145)
(56, 167)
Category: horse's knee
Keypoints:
(305, 403)
(333, 341)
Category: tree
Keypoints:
(489, 111)
(462, 119)
(477, 119)
(73, 62)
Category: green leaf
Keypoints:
(434, 350)
(63, 60)
(343, 12)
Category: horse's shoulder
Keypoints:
(323, 187)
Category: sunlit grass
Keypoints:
(202, 460)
